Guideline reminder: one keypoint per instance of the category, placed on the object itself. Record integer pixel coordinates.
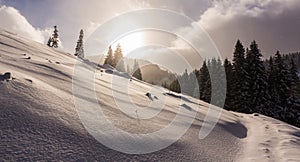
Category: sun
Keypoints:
(130, 42)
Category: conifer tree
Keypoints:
(175, 86)
(230, 85)
(137, 71)
(118, 61)
(281, 81)
(239, 73)
(204, 83)
(257, 80)
(49, 43)
(293, 78)
(110, 57)
(79, 47)
(293, 103)
(53, 40)
(55, 37)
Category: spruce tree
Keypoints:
(79, 47)
(293, 103)
(55, 37)
(118, 61)
(53, 40)
(230, 85)
(110, 57)
(281, 80)
(257, 80)
(239, 91)
(293, 77)
(137, 71)
(175, 86)
(49, 43)
(204, 83)
(293, 80)
(274, 108)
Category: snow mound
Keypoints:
(39, 122)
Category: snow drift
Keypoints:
(38, 119)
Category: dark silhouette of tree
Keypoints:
(175, 86)
(204, 83)
(230, 85)
(239, 73)
(280, 80)
(79, 47)
(137, 71)
(257, 80)
(272, 89)
(53, 40)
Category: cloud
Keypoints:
(12, 20)
(273, 23)
(226, 11)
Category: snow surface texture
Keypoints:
(38, 119)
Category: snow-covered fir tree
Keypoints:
(79, 52)
(53, 40)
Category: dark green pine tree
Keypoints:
(281, 80)
(293, 103)
(110, 57)
(137, 71)
(293, 78)
(239, 90)
(229, 101)
(204, 83)
(257, 80)
(272, 89)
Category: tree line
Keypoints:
(116, 60)
(269, 87)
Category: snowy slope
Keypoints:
(38, 119)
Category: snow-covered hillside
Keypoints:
(38, 119)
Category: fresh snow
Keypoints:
(39, 121)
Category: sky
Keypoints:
(274, 24)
